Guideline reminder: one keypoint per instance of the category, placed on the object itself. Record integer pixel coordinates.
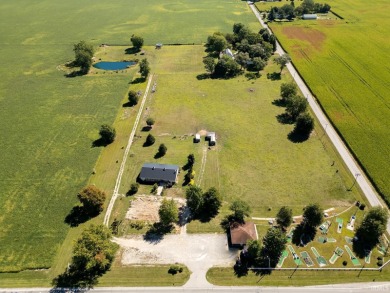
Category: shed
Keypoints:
(197, 138)
(309, 16)
(211, 138)
(159, 173)
(229, 53)
(241, 233)
(159, 46)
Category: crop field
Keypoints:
(345, 63)
(253, 159)
(48, 122)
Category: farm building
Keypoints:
(159, 46)
(211, 138)
(309, 16)
(240, 234)
(159, 173)
(197, 138)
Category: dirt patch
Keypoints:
(314, 37)
(145, 207)
(202, 132)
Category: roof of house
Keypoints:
(242, 233)
(159, 172)
(309, 16)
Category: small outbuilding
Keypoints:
(309, 16)
(159, 173)
(241, 233)
(211, 138)
(159, 46)
(197, 138)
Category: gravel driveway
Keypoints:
(198, 252)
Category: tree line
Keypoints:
(289, 11)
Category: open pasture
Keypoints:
(345, 63)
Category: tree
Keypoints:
(253, 252)
(295, 106)
(307, 6)
(162, 150)
(150, 122)
(209, 64)
(282, 61)
(94, 252)
(144, 68)
(194, 198)
(133, 98)
(313, 215)
(212, 201)
(137, 41)
(288, 90)
(287, 10)
(133, 188)
(190, 160)
(240, 210)
(242, 59)
(216, 43)
(83, 55)
(168, 212)
(274, 242)
(150, 140)
(284, 217)
(226, 67)
(258, 64)
(107, 133)
(304, 124)
(372, 227)
(92, 199)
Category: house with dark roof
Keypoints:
(159, 173)
(241, 233)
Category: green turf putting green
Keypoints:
(354, 260)
(282, 258)
(295, 256)
(307, 259)
(336, 254)
(320, 259)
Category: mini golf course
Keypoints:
(320, 259)
(336, 254)
(354, 260)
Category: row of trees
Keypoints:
(253, 51)
(296, 109)
(288, 11)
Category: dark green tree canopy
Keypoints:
(209, 64)
(274, 242)
(194, 196)
(137, 41)
(295, 106)
(304, 124)
(162, 149)
(144, 68)
(282, 61)
(150, 140)
(284, 217)
(240, 210)
(287, 90)
(150, 121)
(107, 133)
(92, 199)
(212, 201)
(216, 43)
(168, 212)
(133, 98)
(83, 55)
(313, 215)
(373, 226)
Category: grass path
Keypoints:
(125, 155)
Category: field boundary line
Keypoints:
(346, 155)
(125, 155)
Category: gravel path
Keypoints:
(198, 252)
(353, 167)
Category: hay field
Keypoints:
(48, 122)
(345, 63)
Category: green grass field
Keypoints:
(345, 64)
(48, 122)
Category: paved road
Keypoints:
(353, 167)
(125, 155)
(342, 288)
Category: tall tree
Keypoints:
(168, 212)
(194, 196)
(162, 150)
(373, 226)
(240, 210)
(133, 98)
(107, 133)
(284, 217)
(304, 124)
(212, 201)
(274, 242)
(137, 41)
(92, 199)
(254, 252)
(287, 90)
(216, 43)
(209, 64)
(83, 56)
(313, 215)
(144, 68)
(295, 106)
(282, 61)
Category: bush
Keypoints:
(154, 188)
(174, 269)
(107, 133)
(379, 263)
(150, 140)
(133, 189)
(150, 121)
(304, 124)
(362, 207)
(162, 149)
(345, 263)
(138, 225)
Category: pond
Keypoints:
(106, 65)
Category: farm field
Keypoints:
(48, 122)
(253, 159)
(344, 62)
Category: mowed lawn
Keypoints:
(345, 63)
(48, 122)
(253, 159)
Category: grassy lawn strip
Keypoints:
(145, 276)
(226, 277)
